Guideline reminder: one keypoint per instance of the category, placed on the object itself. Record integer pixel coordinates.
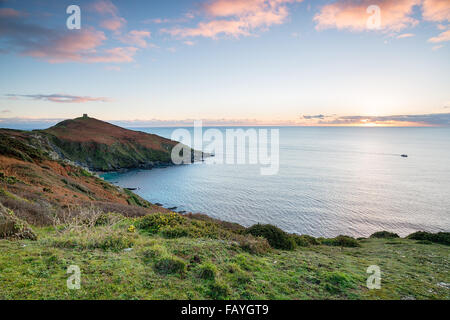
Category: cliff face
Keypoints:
(102, 146)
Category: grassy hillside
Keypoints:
(158, 266)
(102, 146)
(54, 214)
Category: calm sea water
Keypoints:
(331, 181)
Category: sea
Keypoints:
(330, 181)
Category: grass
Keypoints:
(203, 268)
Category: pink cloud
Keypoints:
(10, 13)
(236, 18)
(105, 7)
(436, 10)
(444, 36)
(137, 38)
(405, 35)
(113, 24)
(60, 98)
(352, 15)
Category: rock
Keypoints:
(444, 285)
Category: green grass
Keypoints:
(202, 268)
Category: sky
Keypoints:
(228, 62)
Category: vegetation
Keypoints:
(441, 237)
(276, 237)
(384, 235)
(117, 264)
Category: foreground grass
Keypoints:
(220, 269)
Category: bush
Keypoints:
(219, 290)
(168, 264)
(304, 240)
(341, 241)
(384, 235)
(113, 242)
(154, 222)
(12, 227)
(174, 232)
(276, 237)
(440, 237)
(207, 271)
(254, 245)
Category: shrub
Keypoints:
(341, 241)
(384, 235)
(254, 245)
(12, 227)
(219, 290)
(154, 222)
(276, 237)
(168, 264)
(440, 237)
(104, 239)
(304, 240)
(174, 232)
(109, 218)
(113, 242)
(207, 271)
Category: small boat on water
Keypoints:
(404, 156)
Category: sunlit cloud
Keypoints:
(111, 20)
(436, 10)
(61, 45)
(406, 35)
(437, 47)
(136, 38)
(59, 98)
(434, 119)
(444, 36)
(10, 13)
(235, 18)
(352, 15)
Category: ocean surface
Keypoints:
(330, 181)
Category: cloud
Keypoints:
(436, 10)
(434, 119)
(113, 24)
(236, 18)
(189, 43)
(59, 45)
(106, 8)
(10, 13)
(136, 38)
(6, 111)
(444, 36)
(437, 47)
(60, 98)
(319, 116)
(406, 35)
(352, 15)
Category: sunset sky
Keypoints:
(229, 62)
